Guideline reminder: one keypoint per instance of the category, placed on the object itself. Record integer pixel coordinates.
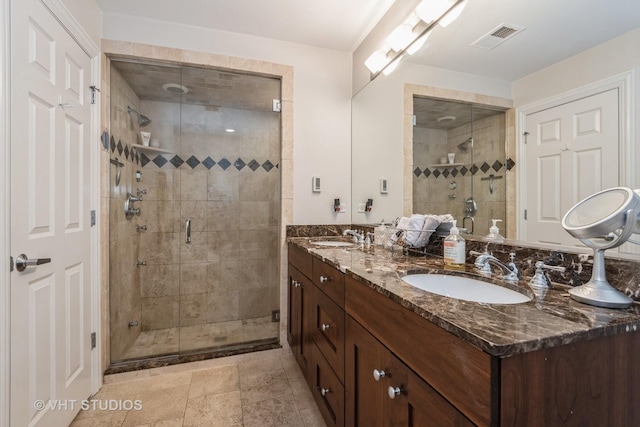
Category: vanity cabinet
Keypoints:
(316, 330)
(343, 331)
(381, 390)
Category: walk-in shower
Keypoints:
(472, 188)
(194, 257)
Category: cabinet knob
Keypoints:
(394, 392)
(324, 279)
(296, 284)
(324, 326)
(324, 391)
(378, 374)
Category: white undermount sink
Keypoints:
(332, 243)
(465, 288)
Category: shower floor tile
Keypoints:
(194, 337)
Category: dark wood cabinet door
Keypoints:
(363, 393)
(300, 305)
(328, 331)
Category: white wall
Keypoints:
(606, 60)
(322, 103)
(88, 15)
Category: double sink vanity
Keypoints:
(377, 350)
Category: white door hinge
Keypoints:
(93, 93)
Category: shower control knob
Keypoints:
(324, 279)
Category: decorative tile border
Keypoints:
(132, 155)
(445, 171)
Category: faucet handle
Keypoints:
(540, 279)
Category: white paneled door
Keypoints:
(50, 220)
(572, 151)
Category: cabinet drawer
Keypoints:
(328, 332)
(329, 280)
(300, 258)
(458, 371)
(327, 390)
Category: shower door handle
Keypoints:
(187, 230)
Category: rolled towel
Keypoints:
(414, 229)
(431, 222)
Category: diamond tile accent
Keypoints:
(224, 164)
(474, 169)
(417, 172)
(496, 165)
(485, 167)
(239, 164)
(267, 165)
(464, 170)
(454, 172)
(113, 144)
(445, 173)
(176, 161)
(427, 172)
(436, 173)
(193, 162)
(126, 152)
(253, 165)
(160, 161)
(208, 163)
(144, 159)
(277, 165)
(119, 147)
(510, 164)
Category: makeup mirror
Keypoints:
(603, 221)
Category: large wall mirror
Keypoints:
(403, 130)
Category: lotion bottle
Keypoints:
(494, 232)
(454, 249)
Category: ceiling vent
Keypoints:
(497, 36)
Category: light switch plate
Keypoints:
(384, 186)
(315, 184)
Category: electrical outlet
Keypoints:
(361, 207)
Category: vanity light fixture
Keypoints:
(411, 35)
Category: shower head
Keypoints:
(142, 119)
(464, 146)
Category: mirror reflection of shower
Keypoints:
(476, 135)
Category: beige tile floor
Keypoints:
(257, 389)
(193, 337)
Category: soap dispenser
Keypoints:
(494, 231)
(454, 249)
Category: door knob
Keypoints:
(22, 262)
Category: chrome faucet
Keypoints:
(360, 237)
(486, 260)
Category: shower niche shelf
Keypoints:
(446, 165)
(151, 149)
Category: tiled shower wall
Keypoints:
(124, 295)
(228, 184)
(432, 185)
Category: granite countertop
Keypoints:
(550, 319)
